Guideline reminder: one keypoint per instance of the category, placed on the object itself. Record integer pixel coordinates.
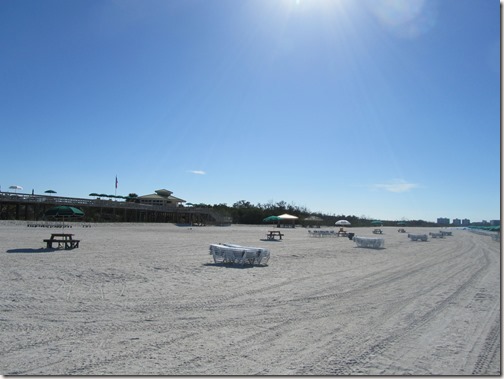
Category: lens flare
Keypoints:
(408, 19)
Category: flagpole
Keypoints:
(115, 193)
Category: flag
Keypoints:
(116, 182)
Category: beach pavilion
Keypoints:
(287, 220)
(161, 197)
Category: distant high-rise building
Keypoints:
(495, 222)
(466, 221)
(443, 221)
(456, 221)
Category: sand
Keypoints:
(147, 299)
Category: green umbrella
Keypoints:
(50, 191)
(16, 188)
(63, 211)
(271, 219)
(93, 194)
(376, 222)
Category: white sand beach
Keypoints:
(147, 299)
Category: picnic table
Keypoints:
(274, 233)
(63, 240)
(342, 233)
(377, 231)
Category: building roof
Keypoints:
(155, 196)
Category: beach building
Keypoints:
(457, 222)
(466, 222)
(161, 197)
(443, 221)
(160, 206)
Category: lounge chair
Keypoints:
(232, 253)
(418, 237)
(373, 243)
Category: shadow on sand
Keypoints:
(28, 250)
(369, 248)
(232, 265)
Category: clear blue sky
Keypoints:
(383, 108)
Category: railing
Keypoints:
(28, 198)
(73, 201)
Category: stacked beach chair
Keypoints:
(418, 237)
(237, 254)
(372, 243)
(322, 233)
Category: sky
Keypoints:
(387, 109)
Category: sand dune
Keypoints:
(147, 299)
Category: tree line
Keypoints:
(244, 212)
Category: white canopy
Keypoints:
(286, 216)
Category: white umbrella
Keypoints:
(16, 188)
(343, 223)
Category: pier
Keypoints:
(19, 206)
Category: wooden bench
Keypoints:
(274, 233)
(63, 240)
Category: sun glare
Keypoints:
(321, 5)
